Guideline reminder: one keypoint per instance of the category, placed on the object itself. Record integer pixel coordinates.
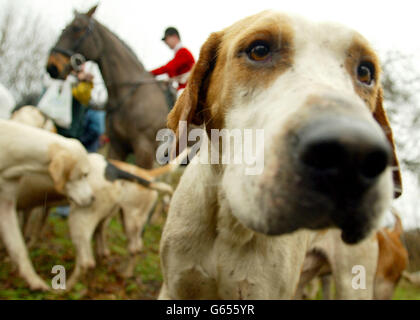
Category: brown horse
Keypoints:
(136, 107)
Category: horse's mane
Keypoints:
(121, 41)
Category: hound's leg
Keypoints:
(354, 268)
(82, 224)
(27, 226)
(313, 289)
(163, 294)
(134, 220)
(15, 245)
(101, 246)
(326, 287)
(35, 225)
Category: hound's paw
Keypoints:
(38, 284)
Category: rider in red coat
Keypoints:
(178, 69)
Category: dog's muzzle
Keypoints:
(342, 159)
(343, 155)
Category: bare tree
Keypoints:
(401, 83)
(24, 43)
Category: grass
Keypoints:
(104, 282)
(406, 291)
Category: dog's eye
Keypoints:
(259, 51)
(366, 72)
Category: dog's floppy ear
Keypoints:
(380, 116)
(189, 105)
(60, 167)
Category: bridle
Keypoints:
(76, 59)
(79, 42)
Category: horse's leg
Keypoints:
(144, 151)
(116, 151)
(117, 148)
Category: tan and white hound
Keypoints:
(314, 88)
(133, 192)
(30, 153)
(383, 256)
(34, 117)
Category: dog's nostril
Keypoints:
(324, 155)
(53, 71)
(374, 163)
(340, 155)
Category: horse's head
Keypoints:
(77, 41)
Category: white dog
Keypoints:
(314, 89)
(31, 152)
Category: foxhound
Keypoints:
(27, 153)
(34, 117)
(382, 255)
(314, 90)
(115, 185)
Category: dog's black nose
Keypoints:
(342, 154)
(53, 71)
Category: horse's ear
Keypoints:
(92, 11)
(381, 117)
(189, 106)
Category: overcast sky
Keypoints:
(387, 24)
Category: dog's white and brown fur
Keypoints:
(314, 88)
(133, 199)
(29, 153)
(117, 186)
(382, 255)
(34, 117)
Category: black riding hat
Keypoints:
(170, 32)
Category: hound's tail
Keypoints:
(113, 172)
(172, 165)
(152, 173)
